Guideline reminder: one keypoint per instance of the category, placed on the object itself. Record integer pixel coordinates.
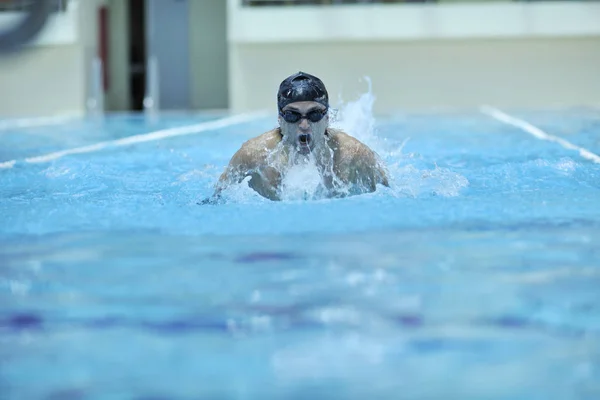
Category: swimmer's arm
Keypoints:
(382, 174)
(240, 166)
(363, 168)
(374, 167)
(368, 170)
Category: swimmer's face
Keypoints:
(303, 125)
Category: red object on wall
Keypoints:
(103, 43)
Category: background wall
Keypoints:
(418, 75)
(421, 56)
(48, 75)
(41, 81)
(168, 38)
(208, 54)
(418, 56)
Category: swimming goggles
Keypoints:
(294, 116)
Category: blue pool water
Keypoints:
(476, 275)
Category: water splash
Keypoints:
(414, 182)
(302, 182)
(357, 119)
(409, 174)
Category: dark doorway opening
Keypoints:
(137, 53)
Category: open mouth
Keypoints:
(304, 139)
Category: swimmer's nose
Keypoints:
(304, 124)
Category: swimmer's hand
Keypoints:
(213, 200)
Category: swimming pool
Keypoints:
(474, 276)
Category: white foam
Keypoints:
(438, 181)
(301, 182)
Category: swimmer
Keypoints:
(346, 165)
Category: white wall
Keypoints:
(60, 28)
(418, 56)
(51, 75)
(422, 75)
(45, 80)
(421, 56)
(208, 54)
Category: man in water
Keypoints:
(346, 166)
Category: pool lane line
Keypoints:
(20, 123)
(7, 164)
(537, 132)
(145, 137)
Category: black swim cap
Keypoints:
(302, 87)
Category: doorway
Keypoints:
(137, 53)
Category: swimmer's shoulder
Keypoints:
(347, 146)
(257, 148)
(262, 143)
(352, 156)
